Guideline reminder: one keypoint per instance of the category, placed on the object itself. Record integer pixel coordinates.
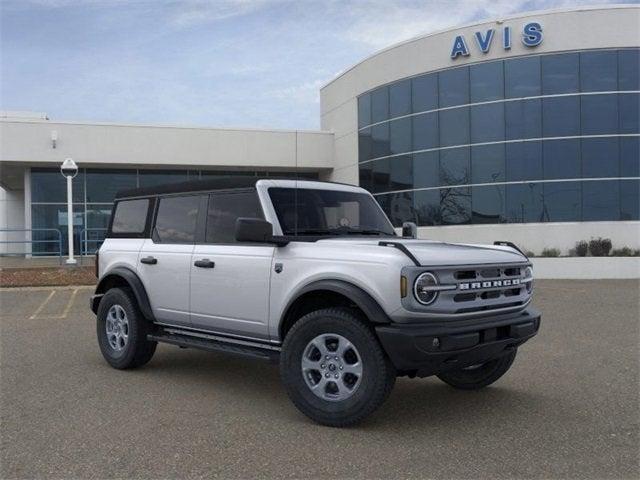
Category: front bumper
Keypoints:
(428, 349)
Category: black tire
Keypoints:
(375, 384)
(477, 377)
(138, 350)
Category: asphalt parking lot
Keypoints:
(569, 407)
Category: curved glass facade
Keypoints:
(542, 138)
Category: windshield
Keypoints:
(328, 212)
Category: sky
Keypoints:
(218, 63)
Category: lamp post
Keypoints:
(69, 169)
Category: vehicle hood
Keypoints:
(433, 253)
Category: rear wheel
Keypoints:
(334, 368)
(481, 375)
(122, 330)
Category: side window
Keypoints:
(130, 216)
(176, 219)
(225, 209)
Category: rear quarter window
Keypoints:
(130, 217)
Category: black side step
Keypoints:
(215, 346)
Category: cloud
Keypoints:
(195, 12)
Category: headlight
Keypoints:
(425, 288)
(528, 278)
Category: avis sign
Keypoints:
(531, 37)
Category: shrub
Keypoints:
(600, 247)
(550, 252)
(624, 252)
(581, 249)
(529, 253)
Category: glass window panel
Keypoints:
(401, 172)
(454, 127)
(454, 166)
(522, 77)
(366, 180)
(400, 98)
(600, 201)
(523, 119)
(383, 201)
(600, 157)
(487, 163)
(630, 157)
(630, 200)
(176, 219)
(225, 209)
(401, 208)
(364, 110)
(97, 218)
(561, 159)
(130, 216)
(629, 69)
(454, 87)
(523, 161)
(488, 204)
(400, 135)
(427, 207)
(426, 169)
(54, 217)
(49, 186)
(560, 73)
(599, 114)
(487, 123)
(561, 116)
(524, 203)
(425, 131)
(562, 201)
(381, 172)
(599, 71)
(151, 178)
(211, 174)
(487, 81)
(424, 92)
(455, 205)
(629, 112)
(380, 104)
(365, 145)
(102, 185)
(380, 140)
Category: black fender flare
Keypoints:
(133, 281)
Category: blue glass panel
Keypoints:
(364, 110)
(400, 207)
(454, 127)
(366, 177)
(561, 159)
(426, 169)
(599, 71)
(629, 69)
(487, 123)
(424, 92)
(102, 185)
(601, 200)
(454, 87)
(630, 200)
(400, 98)
(487, 81)
(400, 135)
(560, 73)
(380, 175)
(629, 112)
(522, 77)
(561, 116)
(488, 204)
(427, 207)
(49, 186)
(425, 131)
(523, 119)
(487, 163)
(365, 145)
(630, 157)
(599, 114)
(455, 205)
(523, 161)
(401, 177)
(562, 201)
(150, 178)
(524, 203)
(454, 166)
(380, 140)
(600, 158)
(53, 216)
(380, 104)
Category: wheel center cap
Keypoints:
(332, 367)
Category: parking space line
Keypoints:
(42, 305)
(69, 305)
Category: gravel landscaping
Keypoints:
(46, 276)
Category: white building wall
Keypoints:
(11, 217)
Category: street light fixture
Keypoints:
(69, 169)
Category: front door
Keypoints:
(230, 280)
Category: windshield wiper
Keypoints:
(365, 231)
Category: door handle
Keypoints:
(149, 260)
(204, 263)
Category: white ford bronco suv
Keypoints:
(313, 275)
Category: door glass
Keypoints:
(176, 220)
(225, 209)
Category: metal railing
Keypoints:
(87, 238)
(57, 241)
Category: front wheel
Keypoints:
(481, 375)
(334, 368)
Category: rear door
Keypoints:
(164, 262)
(230, 280)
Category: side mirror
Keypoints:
(253, 230)
(409, 230)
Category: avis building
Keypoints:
(523, 129)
